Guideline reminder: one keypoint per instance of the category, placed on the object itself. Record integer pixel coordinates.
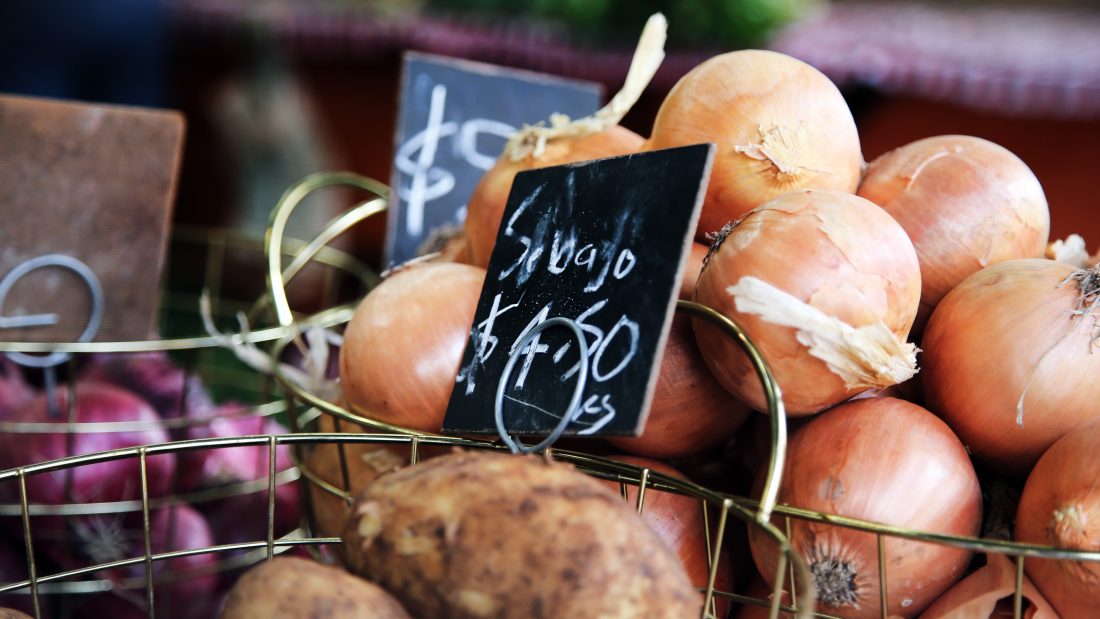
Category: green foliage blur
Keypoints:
(693, 23)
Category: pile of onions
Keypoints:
(826, 284)
(1010, 359)
(965, 202)
(592, 137)
(1060, 507)
(403, 345)
(690, 412)
(780, 126)
(886, 461)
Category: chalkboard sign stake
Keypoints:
(517, 353)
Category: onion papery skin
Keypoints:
(485, 208)
(987, 594)
(966, 203)
(691, 412)
(833, 251)
(678, 520)
(1060, 507)
(404, 343)
(1002, 329)
(886, 461)
(779, 125)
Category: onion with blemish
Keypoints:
(779, 124)
(966, 203)
(826, 284)
(885, 461)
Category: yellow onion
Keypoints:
(965, 202)
(886, 461)
(690, 411)
(403, 345)
(1010, 359)
(826, 284)
(564, 141)
(1060, 507)
(486, 205)
(779, 124)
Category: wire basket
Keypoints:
(54, 523)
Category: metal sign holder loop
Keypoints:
(574, 403)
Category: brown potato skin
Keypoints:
(296, 588)
(483, 534)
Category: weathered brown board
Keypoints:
(96, 183)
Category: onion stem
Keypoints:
(532, 139)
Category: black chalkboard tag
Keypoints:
(453, 120)
(604, 244)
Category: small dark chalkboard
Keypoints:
(601, 243)
(454, 118)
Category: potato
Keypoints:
(10, 613)
(482, 534)
(292, 588)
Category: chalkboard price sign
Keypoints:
(455, 116)
(602, 244)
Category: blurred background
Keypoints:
(275, 89)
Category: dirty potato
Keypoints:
(481, 534)
(292, 587)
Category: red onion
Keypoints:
(107, 481)
(14, 390)
(153, 376)
(184, 587)
(227, 465)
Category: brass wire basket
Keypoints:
(223, 259)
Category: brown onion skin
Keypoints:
(403, 345)
(485, 208)
(678, 521)
(987, 593)
(965, 202)
(729, 98)
(887, 461)
(690, 412)
(863, 273)
(983, 343)
(1064, 482)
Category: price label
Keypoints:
(89, 189)
(455, 116)
(602, 244)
